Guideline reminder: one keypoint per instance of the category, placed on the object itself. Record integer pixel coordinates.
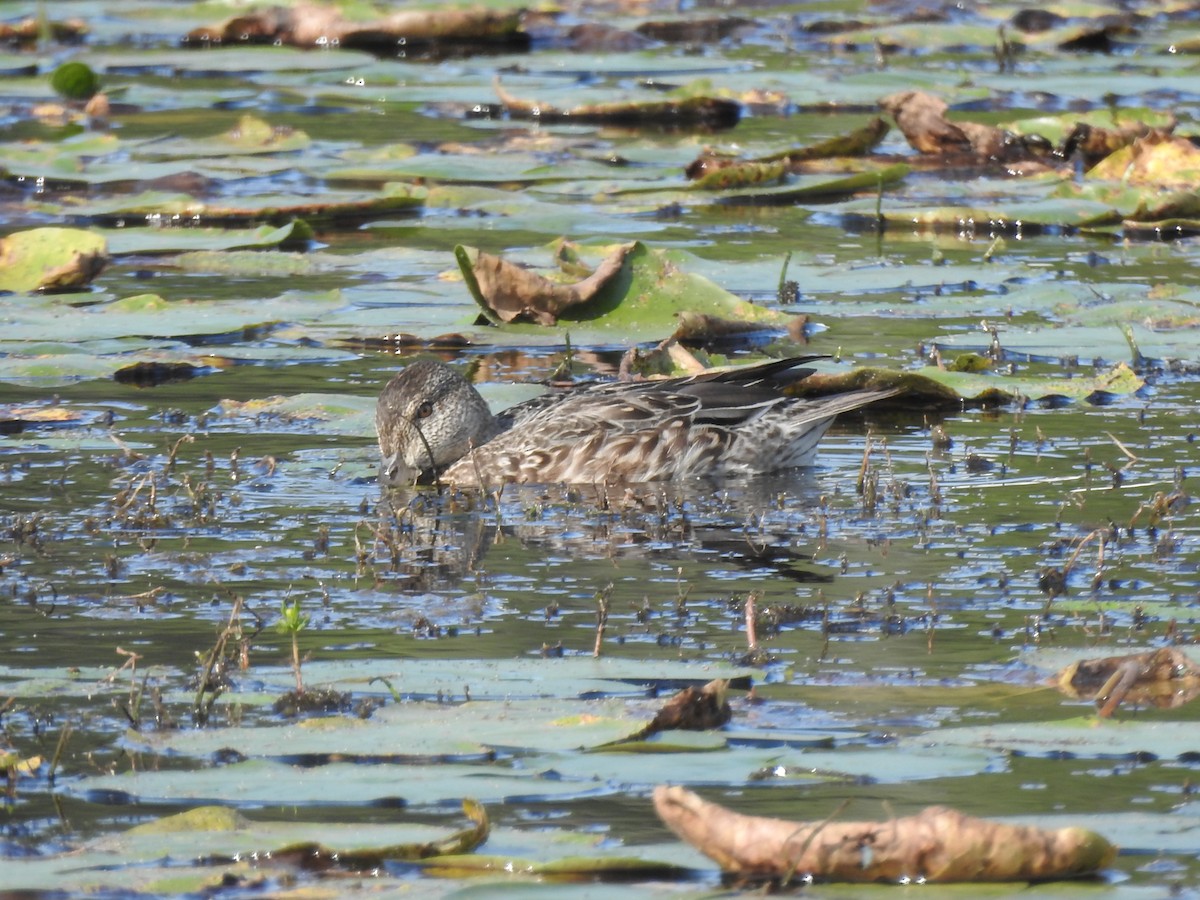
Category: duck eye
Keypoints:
(425, 410)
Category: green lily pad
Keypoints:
(1083, 343)
(258, 782)
(230, 60)
(1084, 738)
(642, 301)
(122, 241)
(160, 208)
(50, 259)
(150, 315)
(180, 852)
(249, 136)
(815, 187)
(419, 731)
(1056, 128)
(950, 385)
(332, 413)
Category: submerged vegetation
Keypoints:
(232, 660)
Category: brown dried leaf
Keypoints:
(513, 292)
(31, 30)
(986, 140)
(695, 709)
(922, 119)
(1165, 678)
(702, 330)
(692, 709)
(693, 31)
(938, 844)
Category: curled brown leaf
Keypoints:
(938, 844)
(513, 292)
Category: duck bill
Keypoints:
(396, 472)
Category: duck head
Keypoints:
(428, 416)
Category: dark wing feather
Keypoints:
(726, 397)
(778, 373)
(734, 396)
(634, 430)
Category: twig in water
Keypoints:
(1129, 454)
(58, 751)
(602, 598)
(751, 622)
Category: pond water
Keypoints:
(907, 614)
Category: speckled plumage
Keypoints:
(432, 422)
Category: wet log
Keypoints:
(938, 844)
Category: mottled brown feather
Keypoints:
(431, 422)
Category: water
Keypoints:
(891, 618)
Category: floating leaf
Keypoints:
(51, 259)
(1163, 678)
(941, 845)
(931, 384)
(511, 292)
(332, 413)
(123, 241)
(1083, 343)
(17, 417)
(314, 25)
(645, 299)
(686, 112)
(166, 209)
(1082, 738)
(1156, 159)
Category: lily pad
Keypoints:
(153, 316)
(123, 241)
(947, 385)
(418, 732)
(331, 413)
(162, 209)
(643, 299)
(51, 259)
(1077, 738)
(259, 782)
(1103, 344)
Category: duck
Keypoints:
(434, 426)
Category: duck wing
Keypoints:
(720, 396)
(626, 431)
(734, 396)
(715, 422)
